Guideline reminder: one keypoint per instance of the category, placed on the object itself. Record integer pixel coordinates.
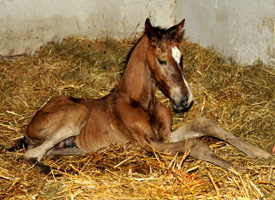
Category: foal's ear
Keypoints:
(149, 29)
(148, 26)
(177, 31)
(151, 32)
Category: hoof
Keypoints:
(262, 154)
(31, 154)
(43, 168)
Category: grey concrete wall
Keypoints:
(243, 29)
(28, 24)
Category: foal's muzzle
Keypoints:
(182, 104)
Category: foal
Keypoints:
(66, 126)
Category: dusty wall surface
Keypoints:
(243, 30)
(26, 25)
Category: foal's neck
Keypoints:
(137, 81)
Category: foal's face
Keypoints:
(165, 61)
(167, 68)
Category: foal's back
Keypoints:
(96, 119)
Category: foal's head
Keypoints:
(165, 62)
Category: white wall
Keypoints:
(28, 24)
(243, 29)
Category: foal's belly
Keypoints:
(100, 131)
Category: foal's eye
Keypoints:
(162, 62)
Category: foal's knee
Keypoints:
(206, 126)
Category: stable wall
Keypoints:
(28, 24)
(243, 29)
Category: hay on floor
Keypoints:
(240, 98)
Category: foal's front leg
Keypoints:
(161, 120)
(197, 150)
(206, 127)
(182, 143)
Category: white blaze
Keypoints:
(176, 54)
(190, 97)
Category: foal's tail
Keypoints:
(21, 143)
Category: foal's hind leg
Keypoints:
(53, 124)
(203, 126)
(63, 133)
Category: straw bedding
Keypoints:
(241, 98)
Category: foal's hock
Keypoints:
(67, 126)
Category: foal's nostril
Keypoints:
(184, 100)
(181, 104)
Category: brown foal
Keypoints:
(67, 126)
